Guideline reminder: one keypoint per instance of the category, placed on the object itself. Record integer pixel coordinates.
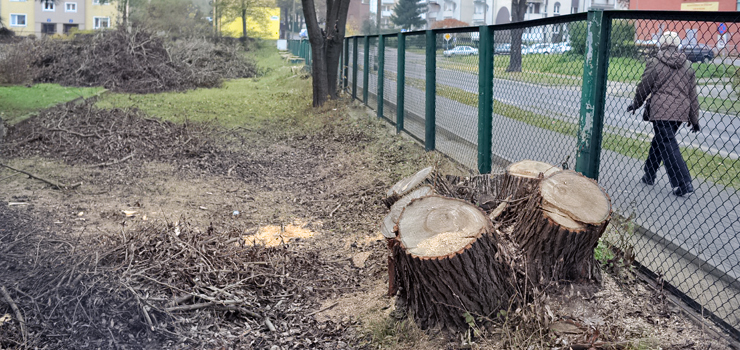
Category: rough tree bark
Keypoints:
(448, 263)
(518, 9)
(560, 228)
(519, 182)
(326, 46)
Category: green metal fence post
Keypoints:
(381, 73)
(400, 80)
(354, 68)
(485, 99)
(593, 95)
(345, 70)
(366, 70)
(431, 92)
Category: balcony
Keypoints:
(448, 14)
(432, 15)
(479, 16)
(386, 13)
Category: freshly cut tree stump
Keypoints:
(561, 228)
(519, 182)
(401, 188)
(388, 229)
(448, 263)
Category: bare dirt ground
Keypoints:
(191, 236)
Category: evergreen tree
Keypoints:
(407, 14)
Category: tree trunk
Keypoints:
(447, 263)
(561, 227)
(244, 23)
(518, 9)
(480, 190)
(519, 182)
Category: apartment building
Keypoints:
(26, 17)
(386, 10)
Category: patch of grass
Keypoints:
(387, 333)
(279, 92)
(18, 102)
(719, 105)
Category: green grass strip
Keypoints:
(18, 102)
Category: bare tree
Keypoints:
(518, 9)
(326, 45)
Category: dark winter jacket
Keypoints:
(672, 83)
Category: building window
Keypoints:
(101, 2)
(70, 7)
(556, 8)
(17, 0)
(533, 8)
(479, 9)
(101, 22)
(48, 5)
(738, 5)
(449, 6)
(17, 20)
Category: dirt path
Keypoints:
(194, 236)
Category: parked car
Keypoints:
(542, 48)
(461, 51)
(698, 53)
(561, 47)
(502, 49)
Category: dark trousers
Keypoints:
(664, 149)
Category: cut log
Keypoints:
(448, 263)
(519, 182)
(401, 188)
(561, 227)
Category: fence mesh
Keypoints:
(691, 241)
(536, 99)
(372, 99)
(390, 79)
(415, 85)
(457, 96)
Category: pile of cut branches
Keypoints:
(78, 132)
(137, 62)
(163, 286)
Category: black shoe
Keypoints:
(647, 181)
(683, 190)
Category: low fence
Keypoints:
(462, 92)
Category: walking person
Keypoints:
(670, 83)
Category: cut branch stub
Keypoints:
(448, 263)
(424, 176)
(560, 228)
(519, 182)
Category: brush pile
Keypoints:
(162, 285)
(137, 62)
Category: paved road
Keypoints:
(705, 224)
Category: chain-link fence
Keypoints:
(558, 90)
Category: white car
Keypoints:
(539, 48)
(561, 47)
(461, 51)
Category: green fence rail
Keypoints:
(563, 100)
(301, 49)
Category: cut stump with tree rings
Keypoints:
(388, 229)
(519, 182)
(401, 188)
(561, 227)
(448, 263)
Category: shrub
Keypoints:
(622, 35)
(14, 63)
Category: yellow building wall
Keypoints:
(21, 7)
(107, 9)
(267, 29)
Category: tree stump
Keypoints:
(448, 263)
(388, 229)
(401, 188)
(480, 190)
(561, 227)
(519, 182)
